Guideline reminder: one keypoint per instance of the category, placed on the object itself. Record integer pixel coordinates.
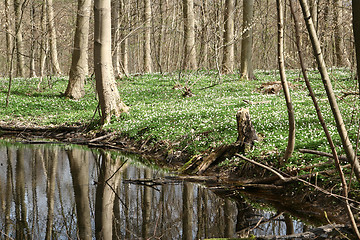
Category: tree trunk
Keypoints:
(53, 37)
(147, 37)
(247, 38)
(109, 97)
(291, 138)
(18, 8)
(189, 61)
(33, 40)
(124, 23)
(79, 63)
(44, 46)
(228, 53)
(9, 30)
(350, 154)
(338, 34)
(314, 12)
(203, 61)
(356, 29)
(115, 32)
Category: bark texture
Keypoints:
(18, 8)
(356, 29)
(79, 63)
(53, 37)
(228, 59)
(189, 61)
(247, 39)
(147, 37)
(109, 97)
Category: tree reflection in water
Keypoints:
(60, 192)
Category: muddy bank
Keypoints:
(254, 182)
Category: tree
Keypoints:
(18, 8)
(228, 53)
(189, 61)
(147, 37)
(109, 97)
(356, 30)
(79, 63)
(247, 39)
(33, 40)
(115, 32)
(52, 37)
(291, 138)
(348, 148)
(338, 34)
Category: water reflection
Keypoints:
(70, 193)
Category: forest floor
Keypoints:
(180, 117)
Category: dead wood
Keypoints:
(246, 138)
(324, 154)
(345, 94)
(272, 87)
(255, 103)
(218, 155)
(261, 165)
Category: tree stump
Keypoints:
(246, 131)
(245, 140)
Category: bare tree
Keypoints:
(109, 97)
(228, 53)
(79, 63)
(18, 8)
(338, 34)
(189, 61)
(247, 39)
(147, 37)
(291, 138)
(52, 37)
(115, 33)
(356, 30)
(44, 44)
(348, 148)
(33, 40)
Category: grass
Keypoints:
(159, 112)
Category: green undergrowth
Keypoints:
(160, 112)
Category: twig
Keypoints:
(261, 165)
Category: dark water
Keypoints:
(63, 192)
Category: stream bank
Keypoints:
(249, 179)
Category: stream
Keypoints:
(70, 192)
